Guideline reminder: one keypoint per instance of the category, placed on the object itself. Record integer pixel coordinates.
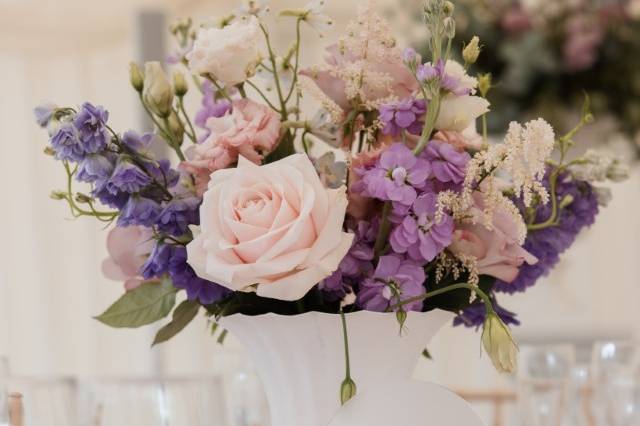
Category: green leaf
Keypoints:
(146, 304)
(182, 316)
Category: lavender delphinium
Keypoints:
(127, 177)
(178, 214)
(406, 114)
(91, 124)
(184, 277)
(96, 167)
(66, 143)
(139, 211)
(395, 280)
(549, 243)
(395, 176)
(44, 113)
(158, 261)
(417, 231)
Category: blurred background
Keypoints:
(51, 283)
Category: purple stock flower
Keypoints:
(407, 114)
(475, 314)
(44, 113)
(66, 143)
(394, 280)
(417, 232)
(447, 163)
(178, 214)
(409, 55)
(96, 167)
(396, 176)
(184, 277)
(428, 73)
(127, 177)
(549, 243)
(357, 262)
(158, 261)
(139, 211)
(210, 108)
(90, 123)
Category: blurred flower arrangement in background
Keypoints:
(386, 198)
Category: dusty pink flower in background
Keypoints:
(128, 250)
(275, 226)
(467, 139)
(249, 129)
(497, 250)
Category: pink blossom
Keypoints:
(128, 250)
(468, 139)
(402, 83)
(250, 129)
(496, 250)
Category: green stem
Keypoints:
(551, 221)
(297, 61)
(165, 134)
(219, 88)
(345, 336)
(276, 77)
(485, 299)
(433, 110)
(75, 209)
(173, 143)
(191, 133)
(264, 97)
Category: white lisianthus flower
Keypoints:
(499, 344)
(228, 54)
(457, 113)
(274, 226)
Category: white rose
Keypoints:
(274, 225)
(457, 113)
(229, 54)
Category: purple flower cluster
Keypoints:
(172, 260)
(475, 314)
(549, 243)
(428, 73)
(405, 115)
(448, 164)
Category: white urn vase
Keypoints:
(301, 362)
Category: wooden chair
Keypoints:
(498, 399)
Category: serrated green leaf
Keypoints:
(146, 304)
(182, 316)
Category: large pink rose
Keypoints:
(274, 225)
(496, 250)
(250, 129)
(128, 250)
(402, 83)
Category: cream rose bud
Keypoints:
(158, 94)
(273, 225)
(229, 54)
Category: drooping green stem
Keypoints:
(240, 88)
(487, 301)
(348, 387)
(276, 76)
(297, 61)
(263, 96)
(77, 210)
(433, 110)
(219, 88)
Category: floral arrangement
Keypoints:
(543, 55)
(387, 199)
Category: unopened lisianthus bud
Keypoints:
(448, 8)
(449, 25)
(180, 86)
(176, 127)
(484, 84)
(158, 94)
(348, 390)
(58, 195)
(471, 51)
(499, 344)
(83, 198)
(136, 77)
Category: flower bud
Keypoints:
(136, 77)
(471, 51)
(348, 390)
(58, 195)
(49, 151)
(449, 27)
(158, 94)
(618, 171)
(401, 317)
(176, 127)
(180, 86)
(499, 345)
(566, 201)
(448, 8)
(83, 198)
(484, 84)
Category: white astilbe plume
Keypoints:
(522, 156)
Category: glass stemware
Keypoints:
(616, 383)
(154, 402)
(46, 401)
(544, 385)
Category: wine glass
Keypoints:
(616, 383)
(248, 401)
(154, 402)
(544, 384)
(46, 401)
